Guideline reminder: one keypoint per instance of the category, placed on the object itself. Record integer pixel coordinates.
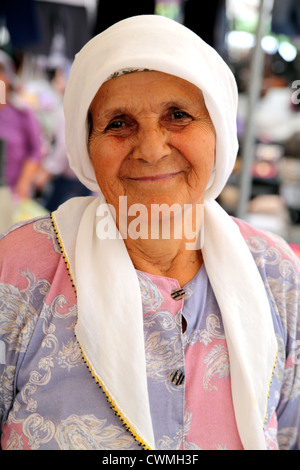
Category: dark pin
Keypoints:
(177, 377)
(177, 294)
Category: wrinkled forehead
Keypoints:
(144, 85)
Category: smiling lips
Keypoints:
(154, 178)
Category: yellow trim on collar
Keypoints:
(111, 402)
(269, 389)
(113, 405)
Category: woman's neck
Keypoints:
(169, 246)
(168, 258)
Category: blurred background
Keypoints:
(259, 40)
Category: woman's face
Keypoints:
(152, 140)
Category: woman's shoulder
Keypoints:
(279, 268)
(29, 245)
(269, 250)
(27, 232)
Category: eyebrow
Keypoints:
(113, 112)
(120, 111)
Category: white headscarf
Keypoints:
(160, 44)
(110, 327)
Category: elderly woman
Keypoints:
(117, 333)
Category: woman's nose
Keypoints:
(151, 143)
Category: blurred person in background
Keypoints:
(21, 133)
(55, 179)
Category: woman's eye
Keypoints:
(122, 125)
(180, 115)
(115, 125)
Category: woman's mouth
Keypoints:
(154, 178)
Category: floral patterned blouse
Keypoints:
(49, 399)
